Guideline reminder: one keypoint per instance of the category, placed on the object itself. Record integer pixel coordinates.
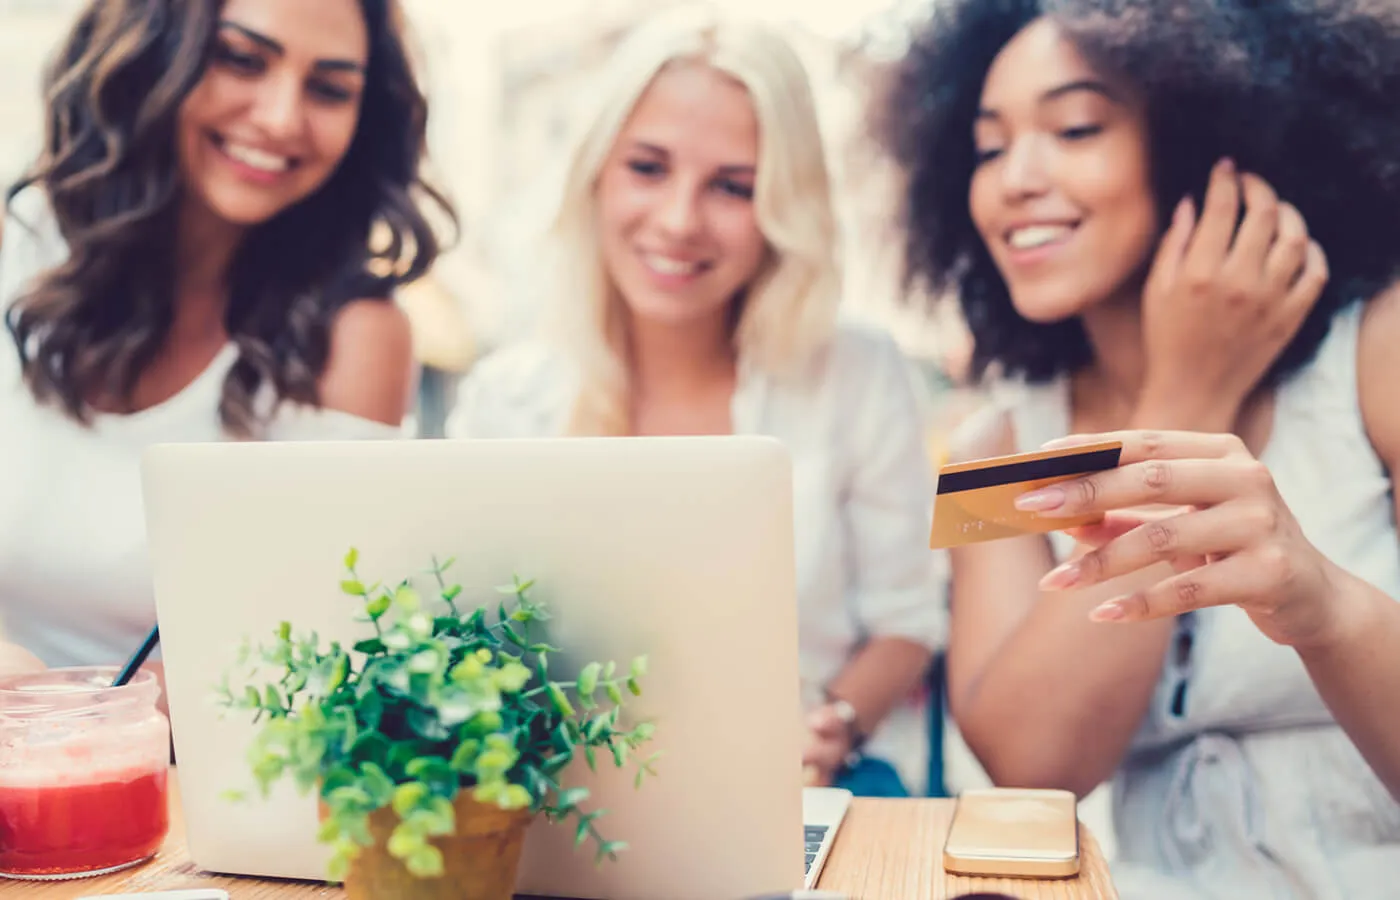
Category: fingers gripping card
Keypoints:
(976, 500)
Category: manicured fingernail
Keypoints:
(1227, 166)
(1112, 611)
(1041, 500)
(1060, 577)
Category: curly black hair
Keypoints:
(1302, 92)
(112, 95)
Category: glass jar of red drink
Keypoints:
(83, 769)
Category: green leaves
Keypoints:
(378, 606)
(422, 816)
(559, 700)
(444, 696)
(464, 757)
(406, 599)
(377, 785)
(511, 678)
(588, 685)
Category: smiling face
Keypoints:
(680, 238)
(277, 107)
(1061, 194)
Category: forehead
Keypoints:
(691, 109)
(318, 29)
(1038, 59)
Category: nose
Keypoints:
(680, 214)
(1024, 171)
(278, 107)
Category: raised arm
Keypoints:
(1235, 541)
(1043, 697)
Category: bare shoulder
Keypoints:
(371, 371)
(1378, 372)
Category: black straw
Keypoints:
(132, 665)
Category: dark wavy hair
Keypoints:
(1302, 92)
(109, 170)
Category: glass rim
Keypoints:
(69, 689)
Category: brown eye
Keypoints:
(237, 60)
(330, 93)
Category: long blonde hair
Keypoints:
(789, 309)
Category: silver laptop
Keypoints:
(680, 548)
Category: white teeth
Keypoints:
(257, 159)
(665, 265)
(1037, 236)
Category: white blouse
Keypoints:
(75, 582)
(862, 492)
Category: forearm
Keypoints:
(882, 673)
(1062, 698)
(1357, 673)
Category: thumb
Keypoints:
(1172, 250)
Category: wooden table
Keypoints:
(885, 850)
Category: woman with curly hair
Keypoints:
(205, 250)
(690, 260)
(1173, 224)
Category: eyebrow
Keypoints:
(1088, 85)
(272, 46)
(724, 170)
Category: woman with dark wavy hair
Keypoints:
(1173, 224)
(205, 250)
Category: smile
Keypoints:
(262, 164)
(671, 267)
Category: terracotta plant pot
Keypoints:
(480, 861)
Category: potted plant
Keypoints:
(435, 740)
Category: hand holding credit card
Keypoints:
(976, 500)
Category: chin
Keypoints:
(245, 211)
(1046, 306)
(671, 310)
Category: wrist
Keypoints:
(1346, 607)
(1183, 410)
(849, 718)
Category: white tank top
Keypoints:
(74, 575)
(1249, 788)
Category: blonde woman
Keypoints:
(692, 263)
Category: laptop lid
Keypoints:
(679, 548)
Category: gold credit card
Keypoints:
(976, 500)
